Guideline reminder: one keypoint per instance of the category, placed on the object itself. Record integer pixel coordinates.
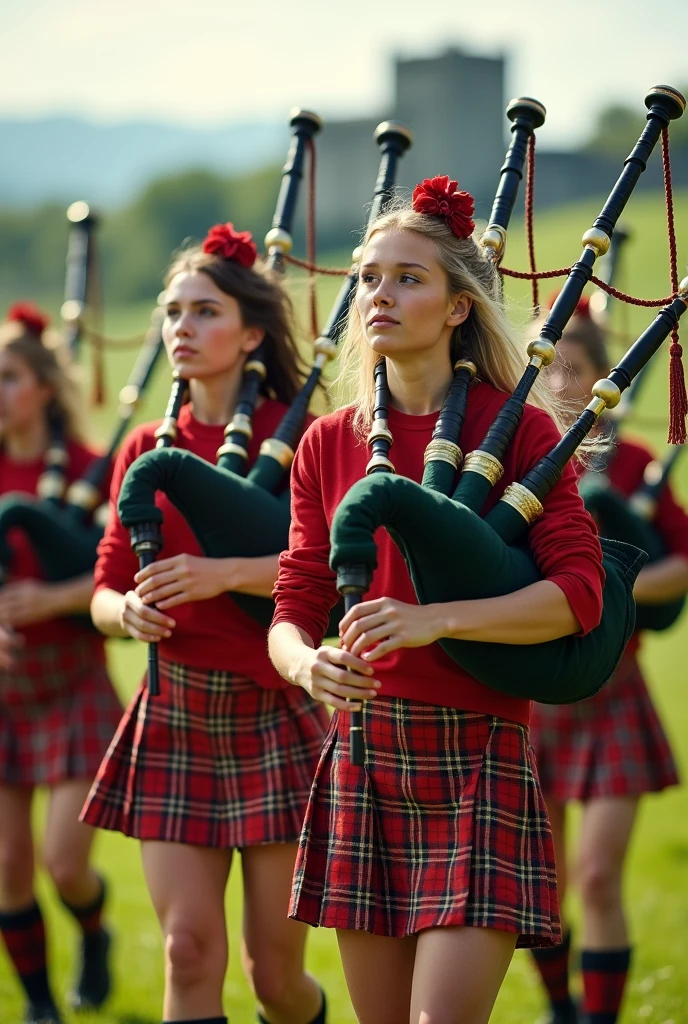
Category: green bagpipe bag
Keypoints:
(454, 555)
(230, 515)
(63, 548)
(619, 521)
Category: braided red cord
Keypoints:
(542, 275)
(530, 234)
(310, 238)
(312, 267)
(678, 401)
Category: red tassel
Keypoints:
(678, 402)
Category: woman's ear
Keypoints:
(461, 307)
(252, 338)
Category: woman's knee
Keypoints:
(600, 883)
(193, 957)
(65, 870)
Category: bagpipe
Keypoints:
(80, 273)
(452, 552)
(233, 514)
(623, 518)
(65, 523)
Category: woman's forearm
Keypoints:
(534, 615)
(288, 646)
(250, 575)
(106, 611)
(72, 597)
(664, 580)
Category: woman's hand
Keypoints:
(143, 623)
(174, 581)
(372, 629)
(10, 642)
(24, 602)
(331, 674)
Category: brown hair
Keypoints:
(45, 356)
(584, 331)
(264, 304)
(485, 337)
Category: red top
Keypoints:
(330, 460)
(626, 474)
(212, 634)
(23, 477)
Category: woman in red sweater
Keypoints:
(224, 758)
(608, 750)
(58, 709)
(435, 860)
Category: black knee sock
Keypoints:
(604, 978)
(320, 1017)
(89, 916)
(24, 935)
(553, 964)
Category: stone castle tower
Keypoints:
(454, 105)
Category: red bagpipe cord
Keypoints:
(678, 401)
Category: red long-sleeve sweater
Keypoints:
(671, 521)
(209, 634)
(329, 460)
(24, 477)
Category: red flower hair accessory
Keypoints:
(238, 246)
(31, 316)
(582, 309)
(438, 197)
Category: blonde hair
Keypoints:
(485, 337)
(44, 354)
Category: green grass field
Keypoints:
(657, 878)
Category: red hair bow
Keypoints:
(238, 246)
(582, 309)
(439, 197)
(30, 315)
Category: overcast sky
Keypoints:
(237, 60)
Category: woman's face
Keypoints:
(23, 399)
(403, 298)
(573, 373)
(203, 330)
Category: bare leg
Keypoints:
(187, 887)
(273, 948)
(605, 834)
(379, 975)
(458, 974)
(16, 848)
(68, 843)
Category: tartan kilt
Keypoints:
(58, 713)
(444, 826)
(612, 744)
(215, 760)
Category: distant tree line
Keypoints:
(137, 240)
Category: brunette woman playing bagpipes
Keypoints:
(610, 749)
(435, 860)
(224, 757)
(58, 709)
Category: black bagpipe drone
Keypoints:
(64, 523)
(233, 514)
(630, 519)
(451, 551)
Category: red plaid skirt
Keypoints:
(612, 744)
(58, 712)
(445, 825)
(215, 761)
